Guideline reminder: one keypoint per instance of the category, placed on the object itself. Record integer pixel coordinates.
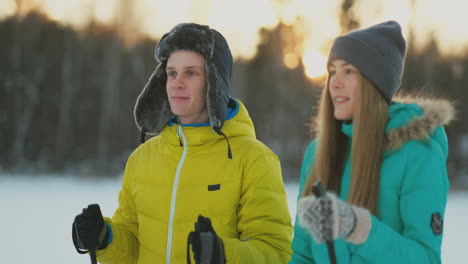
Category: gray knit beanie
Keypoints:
(378, 52)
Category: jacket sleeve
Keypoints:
(124, 246)
(301, 245)
(264, 222)
(423, 196)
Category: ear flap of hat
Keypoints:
(218, 70)
(152, 109)
(217, 96)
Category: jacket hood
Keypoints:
(413, 118)
(417, 119)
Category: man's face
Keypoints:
(186, 86)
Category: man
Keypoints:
(203, 165)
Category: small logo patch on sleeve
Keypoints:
(437, 223)
(214, 187)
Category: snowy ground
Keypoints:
(37, 213)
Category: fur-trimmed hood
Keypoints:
(413, 118)
(419, 119)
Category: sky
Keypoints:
(38, 211)
(240, 20)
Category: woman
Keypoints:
(203, 165)
(383, 162)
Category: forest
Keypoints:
(67, 95)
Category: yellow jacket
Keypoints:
(185, 172)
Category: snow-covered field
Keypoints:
(36, 215)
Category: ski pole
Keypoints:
(317, 190)
(92, 255)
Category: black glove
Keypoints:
(89, 231)
(206, 245)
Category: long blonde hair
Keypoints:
(367, 147)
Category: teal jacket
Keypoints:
(413, 192)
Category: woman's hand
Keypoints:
(328, 218)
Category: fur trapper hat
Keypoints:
(152, 109)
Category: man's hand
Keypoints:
(89, 230)
(207, 247)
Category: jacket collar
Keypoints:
(238, 123)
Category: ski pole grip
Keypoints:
(317, 189)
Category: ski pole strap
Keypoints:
(189, 241)
(75, 241)
(92, 252)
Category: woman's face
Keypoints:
(344, 84)
(186, 86)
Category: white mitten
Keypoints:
(328, 218)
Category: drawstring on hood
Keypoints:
(227, 140)
(142, 136)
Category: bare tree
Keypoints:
(109, 98)
(26, 77)
(26, 104)
(70, 82)
(348, 20)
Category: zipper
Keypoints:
(180, 133)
